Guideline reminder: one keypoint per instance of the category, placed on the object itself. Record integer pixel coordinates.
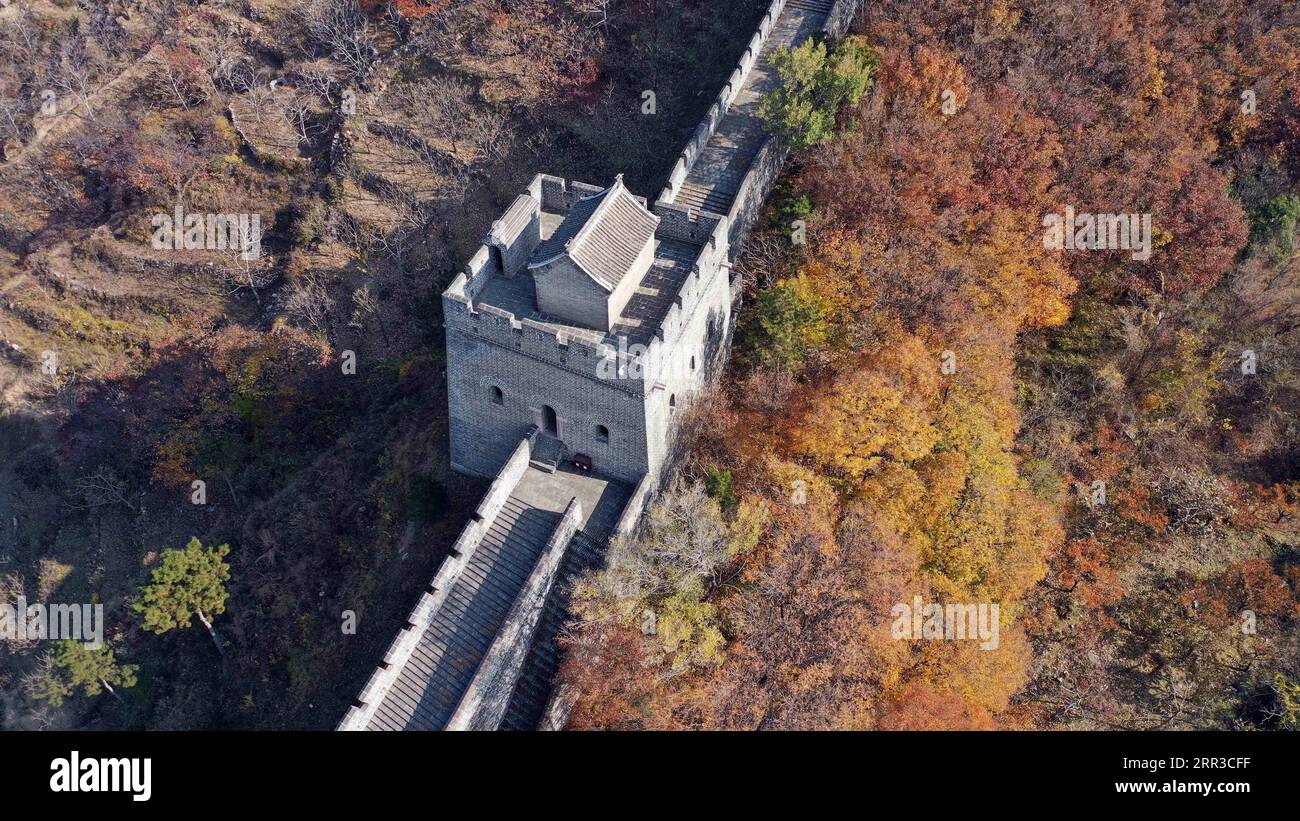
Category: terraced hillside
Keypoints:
(375, 142)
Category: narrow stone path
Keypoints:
(432, 681)
(715, 178)
(429, 687)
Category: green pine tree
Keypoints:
(92, 668)
(778, 331)
(187, 583)
(75, 664)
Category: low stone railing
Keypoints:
(630, 518)
(841, 17)
(487, 696)
(704, 131)
(358, 716)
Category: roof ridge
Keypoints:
(598, 235)
(574, 242)
(568, 247)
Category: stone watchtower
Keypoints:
(584, 324)
(586, 271)
(589, 316)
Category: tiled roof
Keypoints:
(603, 234)
(516, 217)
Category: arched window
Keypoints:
(672, 402)
(602, 433)
(498, 398)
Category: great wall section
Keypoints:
(479, 649)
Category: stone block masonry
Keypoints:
(527, 392)
(483, 422)
(485, 701)
(612, 395)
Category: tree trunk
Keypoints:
(211, 632)
(110, 689)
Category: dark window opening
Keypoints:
(672, 401)
(602, 433)
(550, 422)
(498, 398)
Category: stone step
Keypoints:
(822, 6)
(705, 190)
(533, 689)
(706, 200)
(474, 608)
(548, 453)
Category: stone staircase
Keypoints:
(431, 684)
(436, 668)
(715, 178)
(533, 689)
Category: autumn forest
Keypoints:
(1093, 448)
(927, 402)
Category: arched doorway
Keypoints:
(550, 424)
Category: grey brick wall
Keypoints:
(565, 292)
(533, 366)
(677, 222)
(483, 432)
(517, 233)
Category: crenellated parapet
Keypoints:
(680, 223)
(578, 350)
(704, 131)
